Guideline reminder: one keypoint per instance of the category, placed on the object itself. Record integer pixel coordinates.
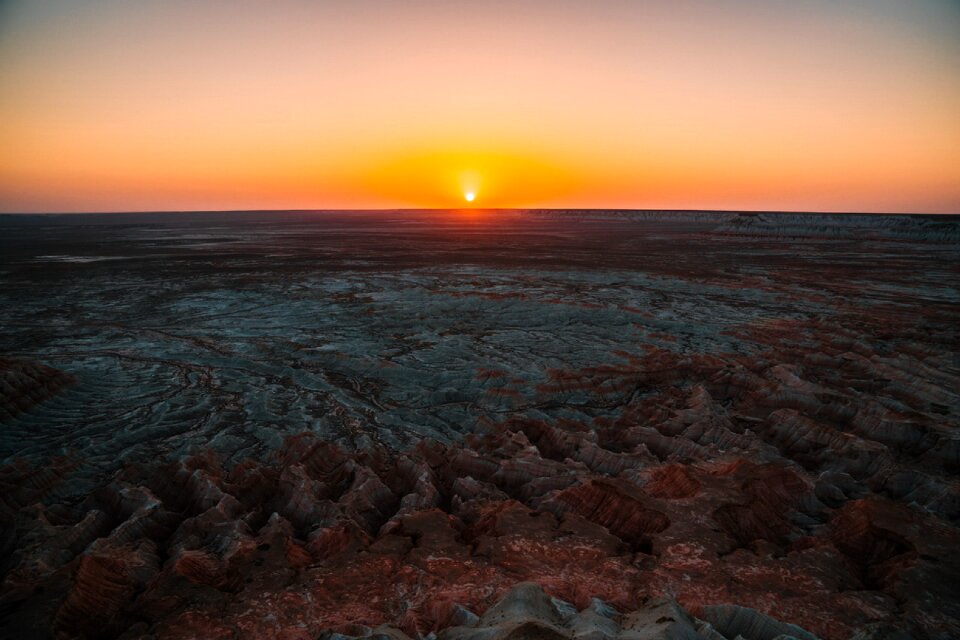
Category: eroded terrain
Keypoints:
(276, 425)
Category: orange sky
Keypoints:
(109, 106)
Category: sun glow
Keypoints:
(469, 196)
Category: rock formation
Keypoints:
(386, 433)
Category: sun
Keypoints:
(469, 196)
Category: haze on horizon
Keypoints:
(172, 105)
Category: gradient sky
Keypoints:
(112, 105)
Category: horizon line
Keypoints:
(478, 209)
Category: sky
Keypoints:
(822, 105)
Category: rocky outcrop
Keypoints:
(739, 622)
(527, 612)
(316, 537)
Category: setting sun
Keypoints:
(469, 196)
